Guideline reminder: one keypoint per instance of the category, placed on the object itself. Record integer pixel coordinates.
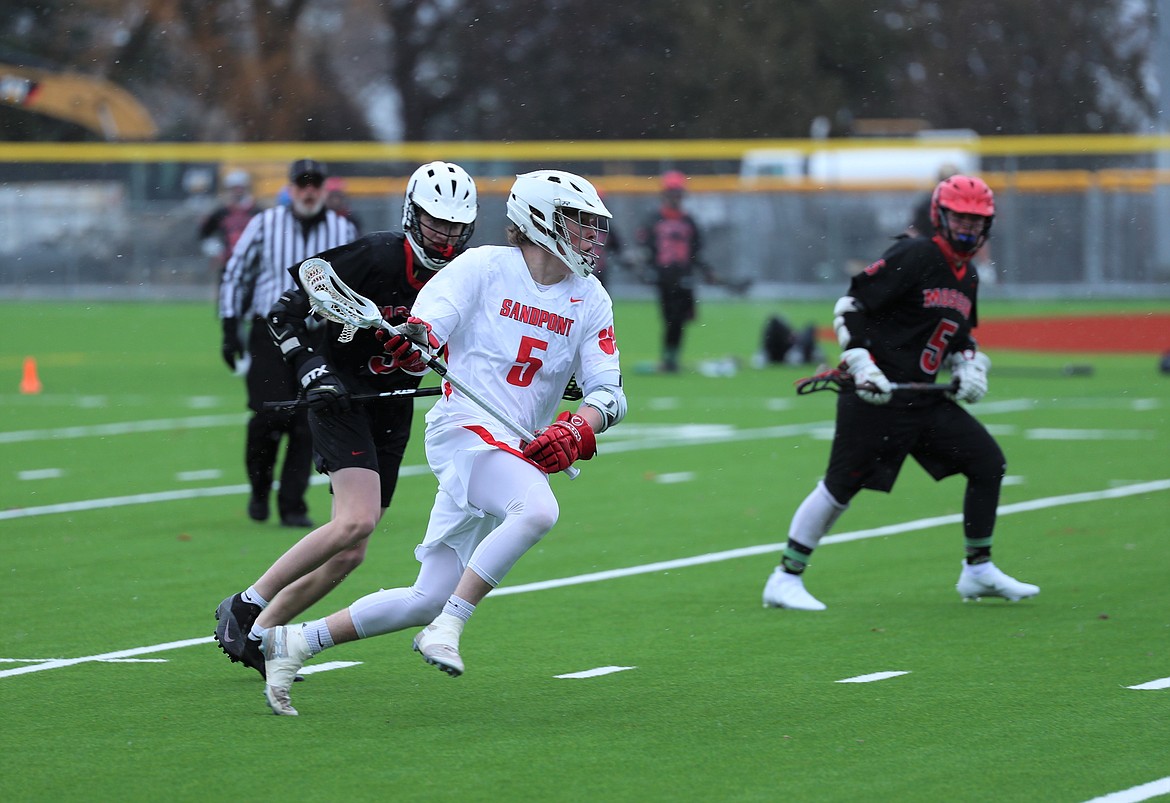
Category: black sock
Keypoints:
(978, 554)
(796, 557)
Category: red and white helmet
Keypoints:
(965, 195)
(445, 192)
(541, 201)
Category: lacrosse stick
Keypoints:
(572, 393)
(403, 393)
(840, 381)
(331, 298)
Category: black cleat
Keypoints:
(235, 618)
(299, 520)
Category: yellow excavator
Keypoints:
(96, 104)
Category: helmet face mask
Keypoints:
(563, 214)
(439, 193)
(962, 196)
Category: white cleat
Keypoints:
(439, 645)
(985, 580)
(285, 652)
(784, 590)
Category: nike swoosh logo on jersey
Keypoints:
(355, 454)
(575, 300)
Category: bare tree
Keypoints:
(256, 70)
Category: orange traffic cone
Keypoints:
(30, 382)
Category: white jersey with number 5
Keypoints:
(513, 341)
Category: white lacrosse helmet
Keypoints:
(539, 204)
(444, 191)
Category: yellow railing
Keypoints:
(613, 160)
(594, 150)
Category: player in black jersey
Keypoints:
(359, 444)
(907, 316)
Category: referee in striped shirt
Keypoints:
(256, 274)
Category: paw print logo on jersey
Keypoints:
(606, 340)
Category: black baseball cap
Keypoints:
(307, 167)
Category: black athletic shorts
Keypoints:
(872, 441)
(372, 434)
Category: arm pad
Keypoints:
(286, 325)
(845, 305)
(610, 401)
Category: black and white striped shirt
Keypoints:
(274, 241)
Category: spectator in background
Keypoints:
(255, 276)
(783, 345)
(219, 231)
(672, 241)
(337, 199)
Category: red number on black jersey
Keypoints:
(932, 355)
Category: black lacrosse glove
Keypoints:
(233, 347)
(323, 391)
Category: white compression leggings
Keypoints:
(816, 516)
(509, 489)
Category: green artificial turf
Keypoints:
(122, 500)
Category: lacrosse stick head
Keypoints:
(834, 379)
(331, 299)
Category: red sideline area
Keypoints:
(1146, 333)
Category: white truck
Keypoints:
(920, 160)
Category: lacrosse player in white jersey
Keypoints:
(521, 321)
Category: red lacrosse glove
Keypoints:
(562, 443)
(405, 351)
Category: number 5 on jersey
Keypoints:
(527, 364)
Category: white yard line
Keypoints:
(124, 428)
(41, 474)
(163, 496)
(1053, 434)
(328, 666)
(872, 676)
(1153, 685)
(840, 538)
(671, 478)
(679, 563)
(58, 663)
(596, 673)
(666, 437)
(1136, 793)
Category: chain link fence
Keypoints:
(133, 235)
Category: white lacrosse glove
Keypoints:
(871, 384)
(970, 369)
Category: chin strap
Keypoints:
(957, 261)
